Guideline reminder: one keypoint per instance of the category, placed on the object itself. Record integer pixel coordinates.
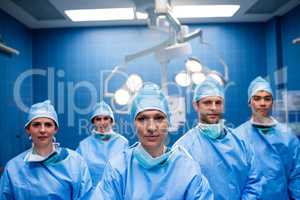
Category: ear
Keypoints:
(56, 129)
(27, 131)
(195, 105)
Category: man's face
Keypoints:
(261, 104)
(102, 123)
(152, 127)
(209, 109)
(42, 131)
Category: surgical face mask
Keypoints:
(267, 127)
(213, 131)
(33, 156)
(103, 136)
(268, 122)
(146, 160)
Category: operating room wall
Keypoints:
(290, 30)
(76, 60)
(283, 66)
(70, 65)
(12, 135)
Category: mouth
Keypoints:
(214, 116)
(152, 137)
(42, 138)
(262, 111)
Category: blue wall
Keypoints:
(290, 58)
(70, 64)
(290, 29)
(82, 53)
(12, 135)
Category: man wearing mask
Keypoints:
(276, 148)
(226, 161)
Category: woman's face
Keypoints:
(42, 131)
(152, 127)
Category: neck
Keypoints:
(44, 150)
(261, 119)
(156, 152)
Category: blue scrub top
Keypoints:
(278, 158)
(64, 179)
(228, 163)
(97, 152)
(178, 178)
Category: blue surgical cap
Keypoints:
(102, 109)
(149, 97)
(42, 109)
(209, 87)
(258, 84)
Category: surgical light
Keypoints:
(198, 77)
(215, 75)
(183, 79)
(134, 82)
(193, 65)
(122, 97)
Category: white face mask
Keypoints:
(33, 156)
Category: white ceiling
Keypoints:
(250, 11)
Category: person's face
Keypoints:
(102, 123)
(261, 104)
(42, 131)
(209, 109)
(152, 127)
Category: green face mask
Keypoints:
(265, 128)
(102, 136)
(213, 131)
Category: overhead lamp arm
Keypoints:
(145, 52)
(8, 50)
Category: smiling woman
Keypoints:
(146, 170)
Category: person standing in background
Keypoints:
(277, 149)
(226, 161)
(103, 143)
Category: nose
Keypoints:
(213, 106)
(151, 126)
(43, 128)
(262, 102)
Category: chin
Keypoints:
(151, 144)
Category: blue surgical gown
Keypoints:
(228, 164)
(63, 179)
(179, 178)
(97, 152)
(278, 159)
